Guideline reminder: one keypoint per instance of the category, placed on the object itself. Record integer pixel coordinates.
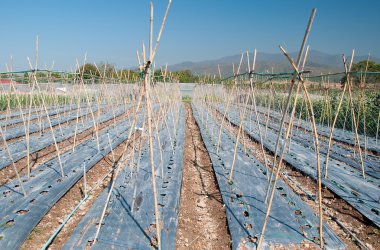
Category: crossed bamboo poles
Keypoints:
(300, 83)
(347, 86)
(310, 110)
(146, 92)
(26, 116)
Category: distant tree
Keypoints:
(25, 78)
(362, 67)
(107, 69)
(185, 76)
(56, 75)
(88, 70)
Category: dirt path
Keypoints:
(202, 217)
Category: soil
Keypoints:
(334, 207)
(202, 222)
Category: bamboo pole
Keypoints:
(147, 85)
(255, 109)
(78, 111)
(285, 111)
(13, 89)
(118, 167)
(27, 136)
(355, 123)
(242, 117)
(345, 87)
(295, 103)
(290, 124)
(160, 32)
(228, 105)
(13, 163)
(147, 77)
(315, 132)
(48, 118)
(377, 127)
(301, 82)
(362, 105)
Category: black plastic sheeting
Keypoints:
(338, 152)
(338, 135)
(15, 113)
(19, 214)
(343, 180)
(51, 112)
(291, 221)
(130, 223)
(38, 142)
(19, 131)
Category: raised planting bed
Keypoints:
(339, 134)
(17, 112)
(337, 151)
(19, 149)
(42, 114)
(291, 221)
(34, 127)
(130, 222)
(345, 181)
(19, 214)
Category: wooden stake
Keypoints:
(84, 180)
(285, 111)
(317, 156)
(48, 117)
(13, 163)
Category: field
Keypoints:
(107, 158)
(78, 159)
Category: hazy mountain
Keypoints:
(318, 62)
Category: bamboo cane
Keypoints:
(48, 118)
(118, 167)
(290, 125)
(13, 163)
(282, 154)
(13, 88)
(157, 216)
(355, 126)
(160, 32)
(377, 127)
(285, 111)
(237, 139)
(228, 105)
(316, 148)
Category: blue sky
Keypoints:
(112, 31)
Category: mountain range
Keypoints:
(318, 62)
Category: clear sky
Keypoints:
(111, 31)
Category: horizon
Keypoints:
(112, 32)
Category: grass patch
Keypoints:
(186, 98)
(35, 231)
